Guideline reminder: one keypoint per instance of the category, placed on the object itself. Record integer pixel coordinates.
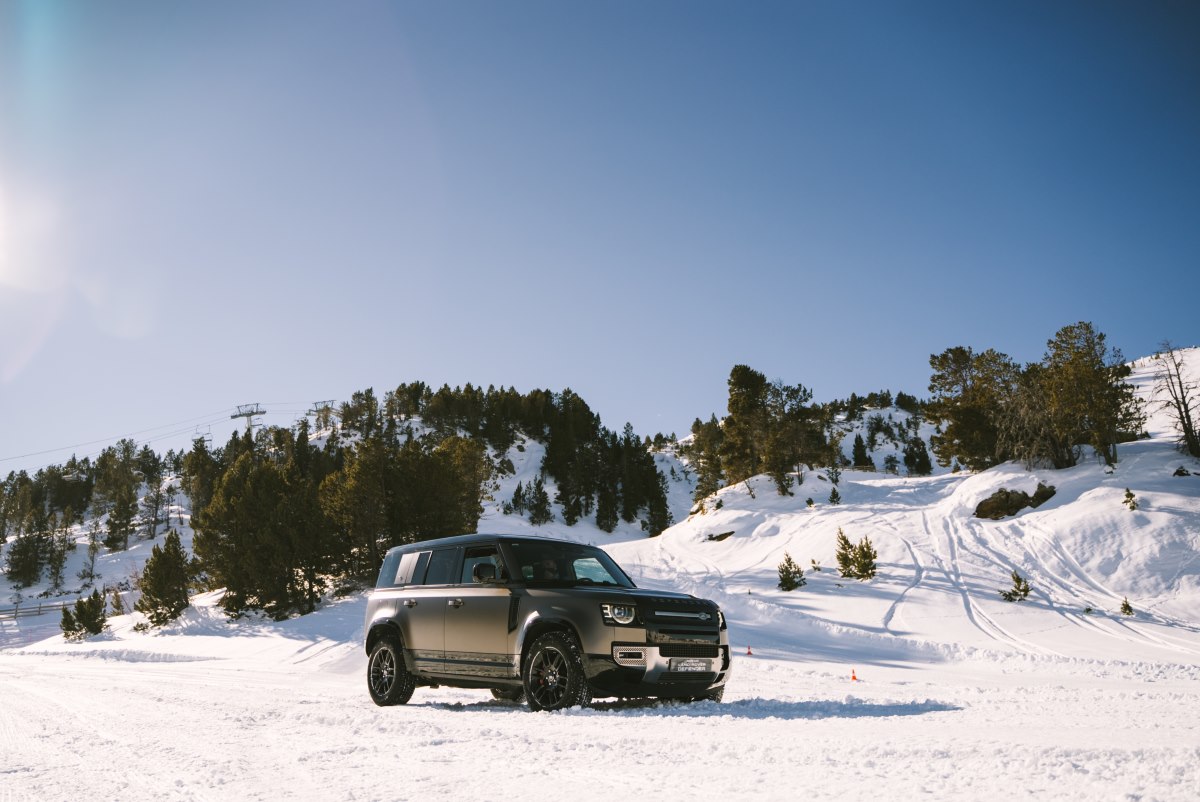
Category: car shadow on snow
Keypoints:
(756, 708)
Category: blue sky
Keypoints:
(209, 204)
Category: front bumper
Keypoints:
(659, 670)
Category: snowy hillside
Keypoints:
(941, 568)
(922, 683)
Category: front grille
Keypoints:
(680, 635)
(689, 650)
(687, 676)
(680, 610)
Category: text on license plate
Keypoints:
(690, 664)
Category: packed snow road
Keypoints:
(217, 711)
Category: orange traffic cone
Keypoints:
(853, 677)
(748, 652)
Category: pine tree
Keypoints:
(70, 628)
(855, 561)
(164, 582)
(87, 574)
(121, 518)
(539, 504)
(25, 559)
(57, 560)
(845, 554)
(518, 499)
(88, 618)
(834, 496)
(1130, 500)
(658, 514)
(569, 501)
(791, 576)
(1088, 400)
(1019, 590)
(864, 560)
(1126, 607)
(742, 444)
(968, 389)
(916, 458)
(118, 604)
(859, 457)
(705, 455)
(606, 507)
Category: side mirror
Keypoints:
(483, 572)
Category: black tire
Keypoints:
(509, 694)
(553, 673)
(388, 681)
(712, 696)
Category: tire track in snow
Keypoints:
(981, 620)
(1048, 583)
(918, 576)
(1080, 578)
(1056, 585)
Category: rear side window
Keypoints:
(387, 574)
(412, 568)
(442, 567)
(403, 569)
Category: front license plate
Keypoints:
(690, 664)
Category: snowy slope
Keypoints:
(940, 569)
(113, 570)
(958, 693)
(526, 457)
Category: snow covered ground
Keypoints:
(216, 710)
(922, 683)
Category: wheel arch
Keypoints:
(383, 629)
(537, 627)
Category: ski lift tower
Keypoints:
(322, 412)
(205, 434)
(249, 412)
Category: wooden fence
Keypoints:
(32, 608)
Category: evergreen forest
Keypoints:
(282, 516)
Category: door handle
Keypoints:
(410, 602)
(456, 603)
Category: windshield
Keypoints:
(554, 564)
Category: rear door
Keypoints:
(424, 605)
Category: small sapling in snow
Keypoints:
(791, 576)
(1019, 591)
(1130, 500)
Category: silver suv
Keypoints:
(551, 622)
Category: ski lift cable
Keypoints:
(214, 416)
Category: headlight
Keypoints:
(721, 618)
(621, 614)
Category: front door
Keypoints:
(479, 637)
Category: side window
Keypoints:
(442, 565)
(481, 555)
(412, 568)
(590, 568)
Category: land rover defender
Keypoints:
(552, 622)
